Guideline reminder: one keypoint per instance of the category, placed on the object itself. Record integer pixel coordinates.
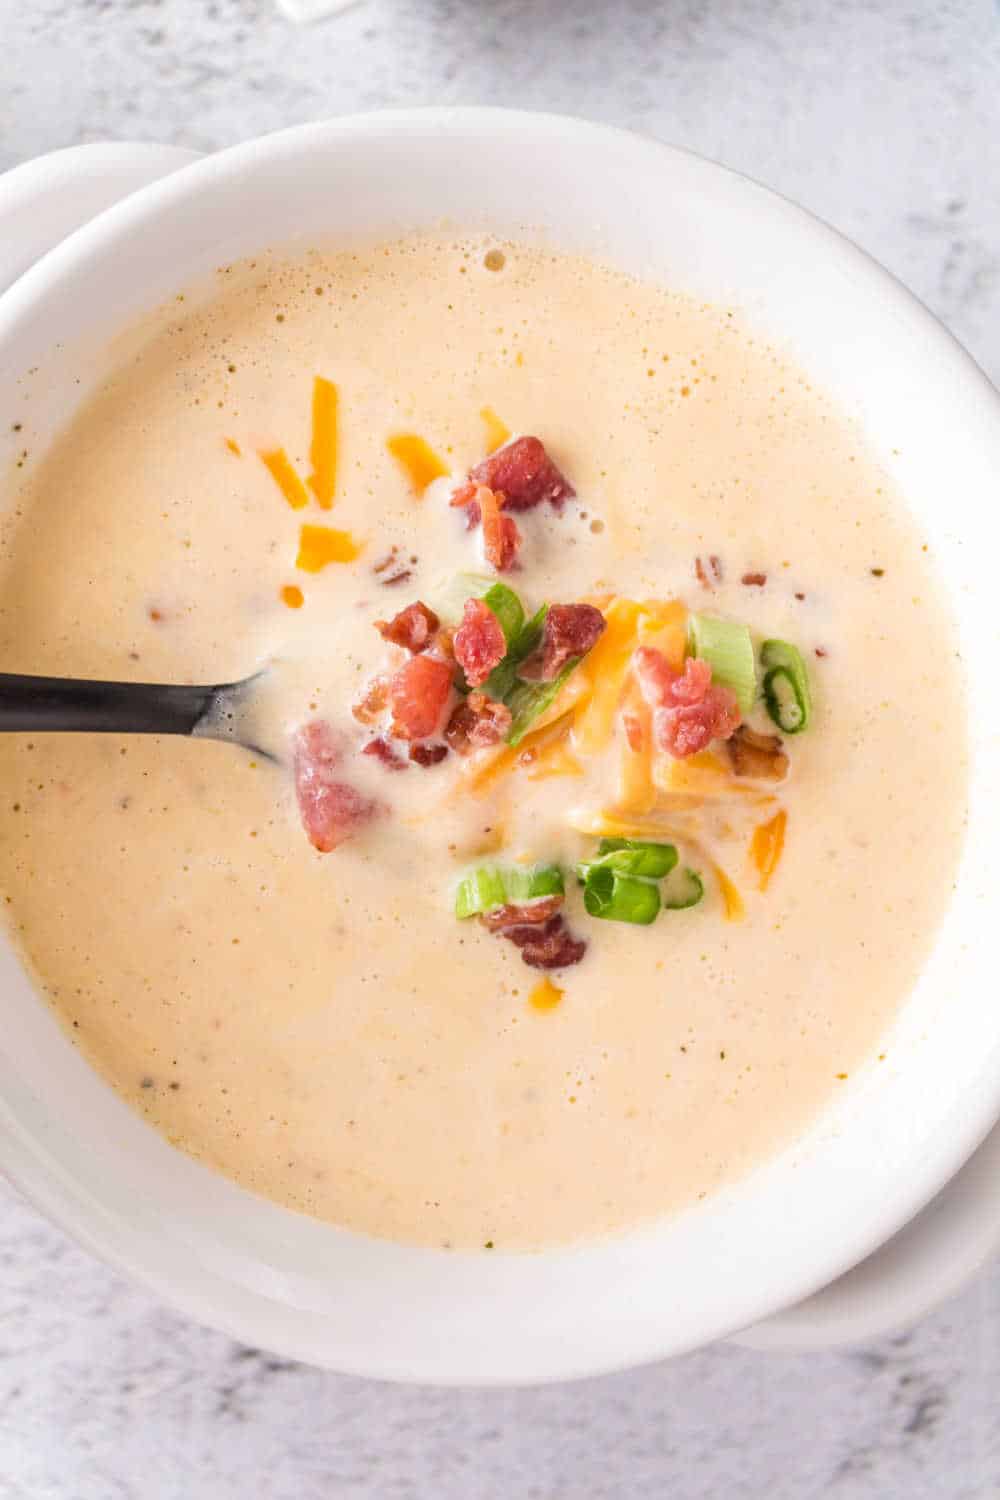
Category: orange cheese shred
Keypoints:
(323, 449)
(766, 846)
(497, 432)
(278, 464)
(320, 545)
(545, 996)
(292, 595)
(234, 447)
(733, 901)
(417, 459)
(603, 670)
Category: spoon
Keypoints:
(71, 703)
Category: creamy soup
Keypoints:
(304, 971)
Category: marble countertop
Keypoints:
(884, 118)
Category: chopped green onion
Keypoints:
(620, 898)
(527, 701)
(683, 889)
(632, 857)
(786, 686)
(508, 609)
(503, 678)
(505, 885)
(728, 649)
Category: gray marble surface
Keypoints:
(883, 117)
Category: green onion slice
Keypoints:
(728, 649)
(491, 886)
(527, 701)
(786, 686)
(632, 857)
(503, 678)
(508, 609)
(684, 888)
(620, 898)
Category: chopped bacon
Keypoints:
(539, 929)
(570, 630)
(465, 496)
(380, 749)
(689, 710)
(331, 809)
(418, 695)
(501, 537)
(526, 475)
(394, 567)
(754, 580)
(708, 570)
(371, 707)
(759, 756)
(529, 914)
(413, 628)
(479, 642)
(395, 578)
(428, 755)
(477, 722)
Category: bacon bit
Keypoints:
(293, 596)
(501, 537)
(479, 642)
(539, 930)
(380, 749)
(156, 615)
(526, 475)
(757, 756)
(477, 722)
(465, 495)
(689, 710)
(413, 628)
(234, 447)
(821, 651)
(428, 755)
(708, 571)
(417, 459)
(754, 580)
(322, 545)
(497, 432)
(800, 597)
(323, 450)
(545, 996)
(767, 845)
(570, 630)
(279, 466)
(387, 561)
(373, 705)
(331, 810)
(403, 577)
(418, 694)
(528, 914)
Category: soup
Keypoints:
(618, 776)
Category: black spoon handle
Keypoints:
(68, 703)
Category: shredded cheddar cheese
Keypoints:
(636, 788)
(603, 673)
(234, 447)
(323, 450)
(545, 995)
(735, 910)
(292, 595)
(320, 545)
(766, 846)
(279, 466)
(497, 432)
(417, 459)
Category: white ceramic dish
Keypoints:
(891, 1141)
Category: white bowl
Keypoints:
(889, 1142)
